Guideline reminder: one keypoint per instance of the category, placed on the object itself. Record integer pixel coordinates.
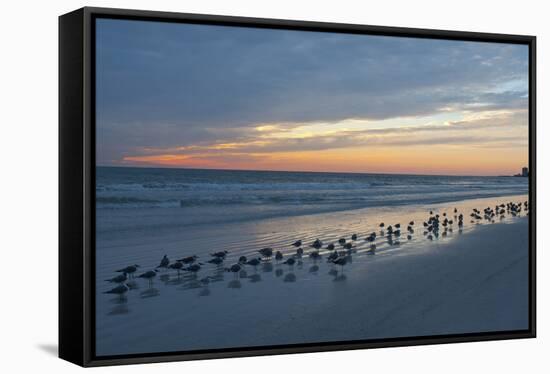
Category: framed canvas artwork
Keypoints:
(236, 186)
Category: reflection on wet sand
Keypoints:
(267, 267)
(235, 283)
(332, 256)
(255, 278)
(205, 291)
(290, 277)
(150, 292)
(118, 310)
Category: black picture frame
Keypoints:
(77, 180)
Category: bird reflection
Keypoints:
(235, 283)
(254, 278)
(174, 282)
(204, 291)
(340, 277)
(290, 277)
(286, 264)
(132, 285)
(150, 292)
(119, 310)
(191, 284)
(121, 299)
(267, 267)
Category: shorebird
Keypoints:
(266, 252)
(348, 246)
(332, 256)
(342, 241)
(299, 252)
(242, 259)
(149, 275)
(119, 290)
(215, 261)
(330, 247)
(176, 266)
(193, 268)
(235, 269)
(254, 262)
(118, 279)
(354, 237)
(409, 237)
(221, 254)
(411, 223)
(381, 225)
(315, 255)
(317, 244)
(188, 260)
(164, 262)
(342, 261)
(297, 243)
(130, 270)
(372, 249)
(278, 256)
(397, 225)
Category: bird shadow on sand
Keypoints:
(51, 349)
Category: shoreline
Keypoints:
(175, 220)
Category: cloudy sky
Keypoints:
(200, 96)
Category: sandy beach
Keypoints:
(472, 279)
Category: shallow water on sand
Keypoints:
(169, 313)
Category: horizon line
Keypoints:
(298, 171)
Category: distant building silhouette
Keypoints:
(524, 172)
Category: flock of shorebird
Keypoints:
(339, 254)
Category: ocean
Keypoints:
(261, 194)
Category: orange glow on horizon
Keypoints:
(443, 160)
(462, 143)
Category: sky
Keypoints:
(203, 96)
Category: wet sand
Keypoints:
(472, 280)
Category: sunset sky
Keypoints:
(175, 95)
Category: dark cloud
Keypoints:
(163, 85)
